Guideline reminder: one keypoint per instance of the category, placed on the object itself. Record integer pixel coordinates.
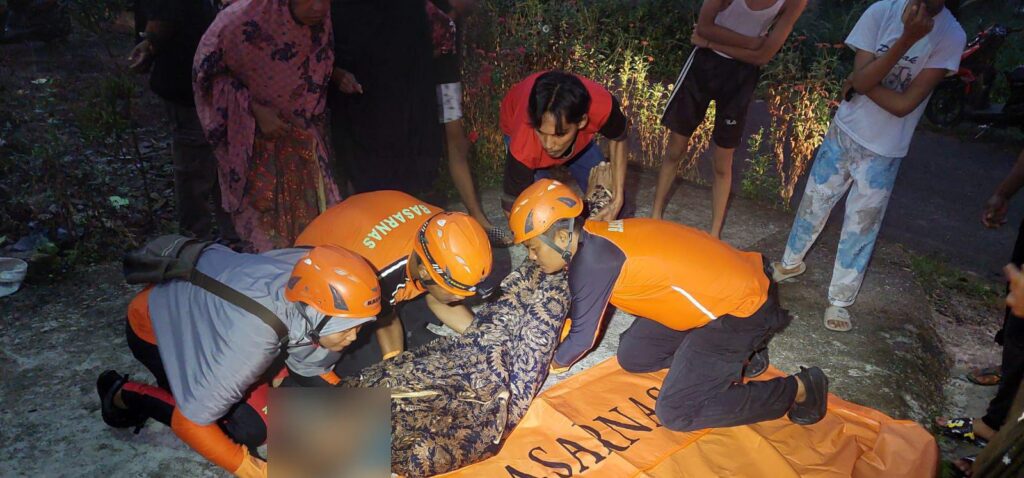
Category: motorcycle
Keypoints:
(967, 94)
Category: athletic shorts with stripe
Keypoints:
(708, 76)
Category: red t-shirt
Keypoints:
(524, 144)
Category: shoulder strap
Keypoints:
(241, 300)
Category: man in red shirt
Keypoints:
(551, 118)
(704, 310)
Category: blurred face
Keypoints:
(549, 260)
(556, 145)
(437, 291)
(337, 342)
(310, 12)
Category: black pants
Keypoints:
(1012, 367)
(704, 386)
(242, 423)
(366, 351)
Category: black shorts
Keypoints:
(709, 76)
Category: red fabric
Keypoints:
(149, 390)
(257, 399)
(524, 144)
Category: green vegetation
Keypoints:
(936, 276)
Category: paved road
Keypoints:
(936, 206)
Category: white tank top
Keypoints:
(739, 18)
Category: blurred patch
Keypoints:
(329, 432)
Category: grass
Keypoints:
(937, 276)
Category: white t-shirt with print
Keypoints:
(878, 28)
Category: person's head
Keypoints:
(558, 110)
(451, 256)
(546, 219)
(309, 12)
(337, 291)
(932, 7)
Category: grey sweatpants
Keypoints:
(704, 387)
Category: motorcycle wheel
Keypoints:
(946, 107)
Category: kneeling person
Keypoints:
(704, 311)
(211, 358)
(427, 261)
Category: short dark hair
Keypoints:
(561, 94)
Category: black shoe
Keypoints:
(107, 385)
(815, 404)
(757, 364)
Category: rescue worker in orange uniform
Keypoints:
(705, 310)
(428, 262)
(211, 358)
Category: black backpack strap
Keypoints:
(239, 299)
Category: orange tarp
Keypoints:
(601, 423)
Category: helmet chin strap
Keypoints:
(565, 252)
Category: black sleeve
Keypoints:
(517, 178)
(592, 276)
(617, 125)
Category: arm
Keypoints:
(391, 336)
(708, 29)
(592, 278)
(618, 160)
(761, 55)
(901, 104)
(996, 207)
(869, 71)
(457, 317)
(212, 443)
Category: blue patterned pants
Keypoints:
(843, 165)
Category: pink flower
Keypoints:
(521, 50)
(473, 136)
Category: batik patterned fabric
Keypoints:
(457, 398)
(840, 165)
(256, 52)
(442, 30)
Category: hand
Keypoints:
(251, 467)
(917, 22)
(995, 211)
(847, 91)
(698, 40)
(346, 82)
(268, 120)
(610, 212)
(1015, 299)
(141, 57)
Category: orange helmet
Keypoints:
(336, 282)
(540, 206)
(455, 250)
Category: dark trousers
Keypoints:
(196, 189)
(704, 387)
(366, 351)
(1012, 367)
(243, 423)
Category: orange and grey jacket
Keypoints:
(381, 226)
(672, 274)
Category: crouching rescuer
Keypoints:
(214, 338)
(705, 311)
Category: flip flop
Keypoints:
(960, 428)
(837, 319)
(781, 273)
(984, 376)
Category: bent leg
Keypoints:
(647, 346)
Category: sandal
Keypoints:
(984, 376)
(781, 273)
(837, 319)
(960, 428)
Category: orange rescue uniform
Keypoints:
(672, 274)
(381, 226)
